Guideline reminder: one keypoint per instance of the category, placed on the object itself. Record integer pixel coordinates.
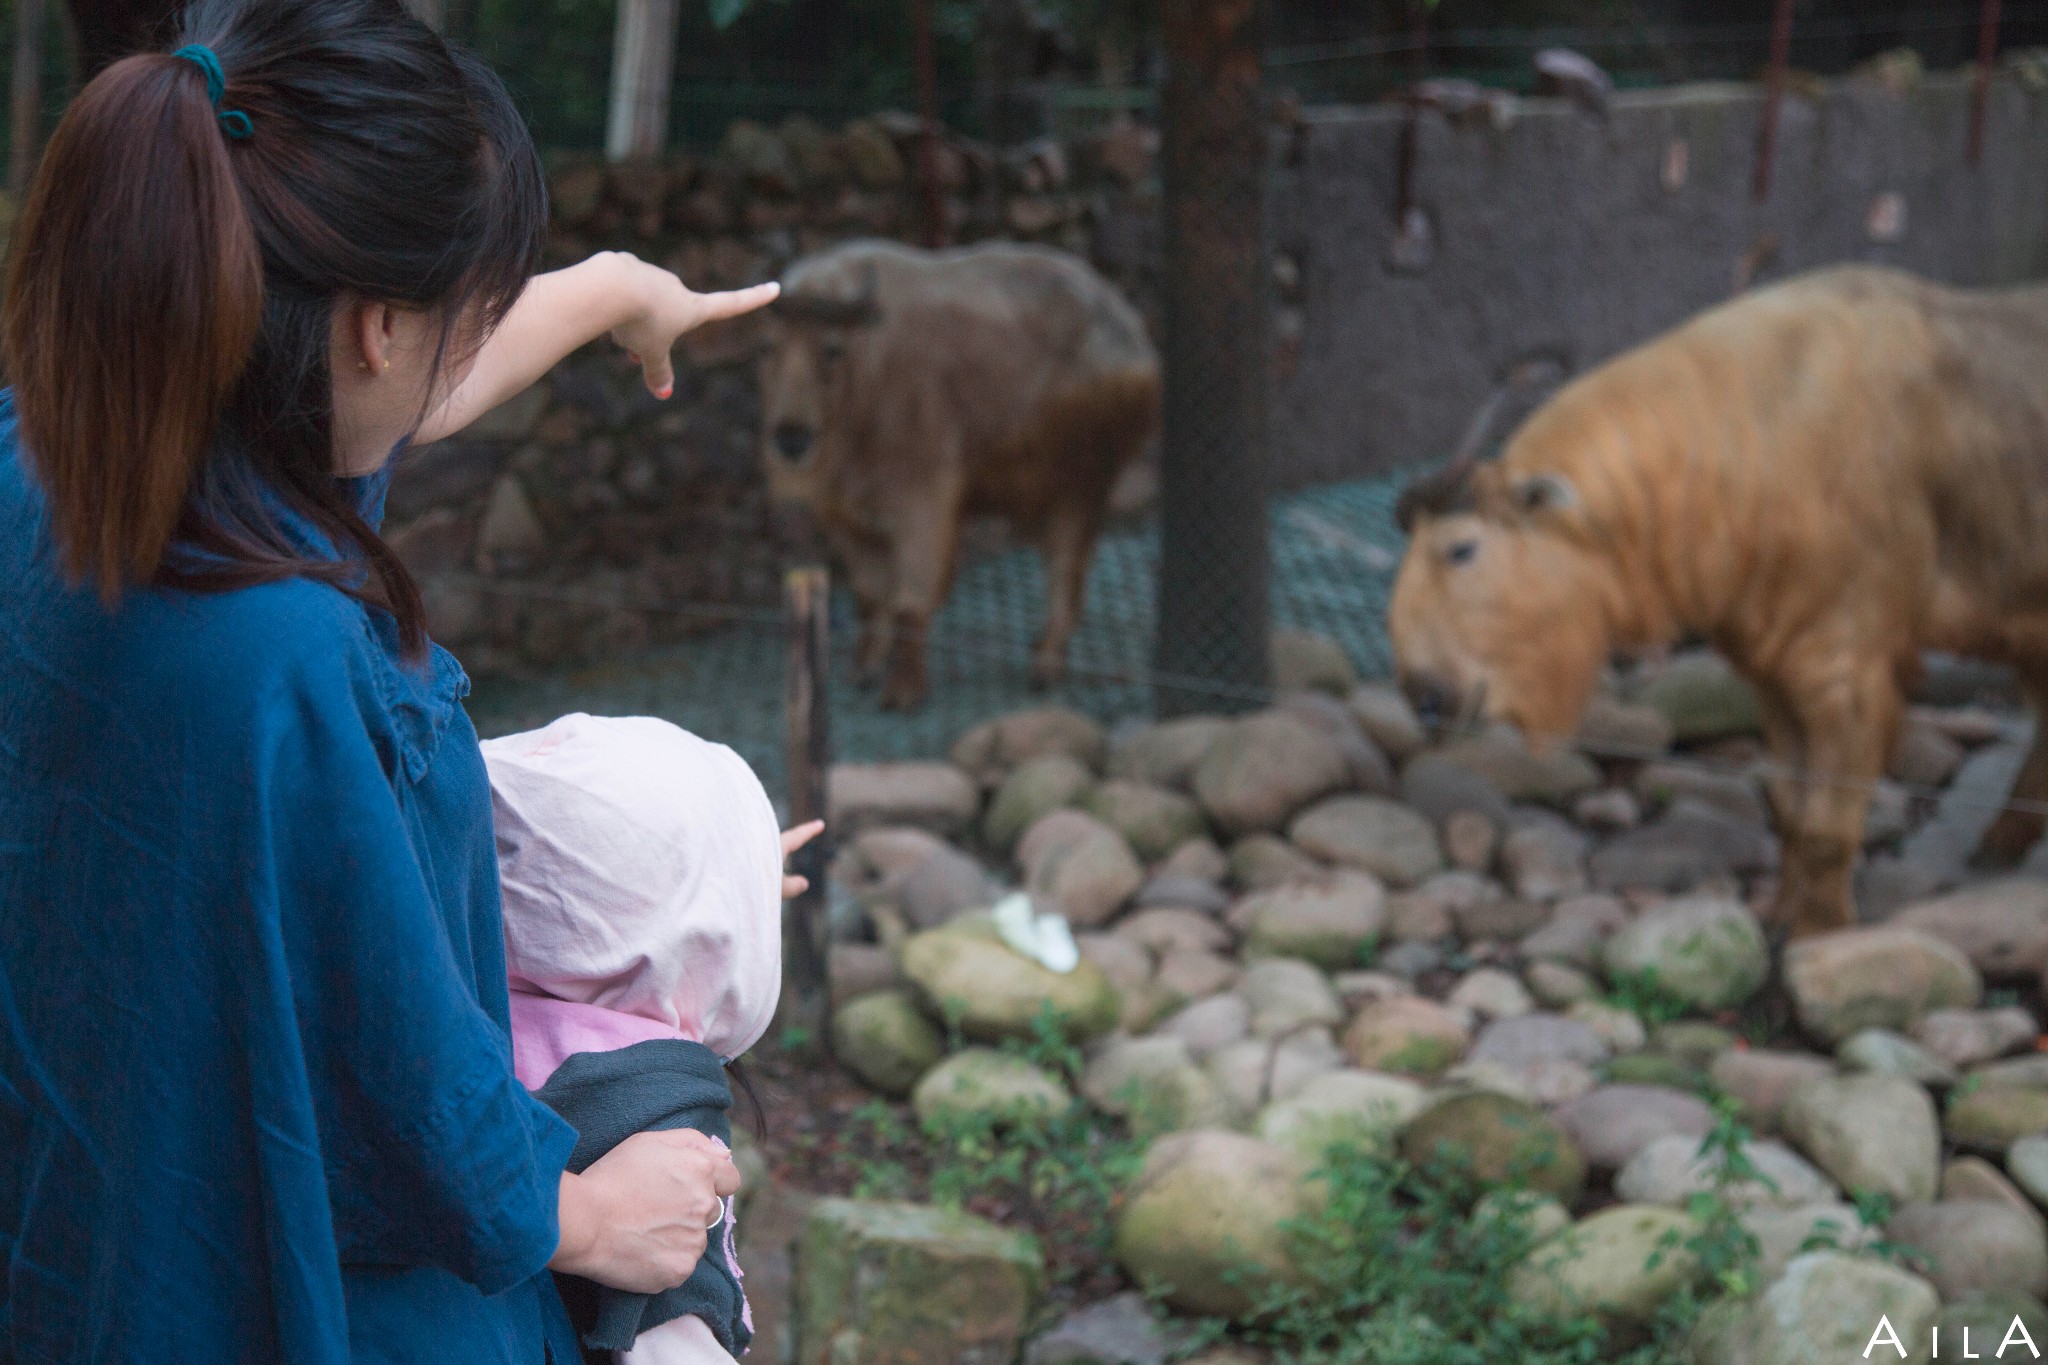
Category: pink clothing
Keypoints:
(642, 877)
(546, 1030)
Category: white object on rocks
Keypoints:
(1046, 939)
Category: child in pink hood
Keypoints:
(642, 870)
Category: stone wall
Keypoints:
(1547, 227)
(1587, 235)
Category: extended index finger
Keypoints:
(733, 302)
(794, 839)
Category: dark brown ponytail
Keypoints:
(171, 299)
(133, 299)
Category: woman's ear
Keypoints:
(364, 337)
(378, 326)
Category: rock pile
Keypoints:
(1313, 922)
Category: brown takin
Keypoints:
(1822, 479)
(905, 390)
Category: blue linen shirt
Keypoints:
(256, 1093)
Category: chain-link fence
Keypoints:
(1333, 549)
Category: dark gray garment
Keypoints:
(607, 1097)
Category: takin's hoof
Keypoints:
(904, 693)
(1047, 673)
(1790, 919)
(2011, 836)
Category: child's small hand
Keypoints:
(792, 840)
(670, 308)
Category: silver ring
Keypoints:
(720, 1218)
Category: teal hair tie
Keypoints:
(232, 121)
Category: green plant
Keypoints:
(1644, 995)
(1874, 1209)
(1724, 1249)
(1063, 1173)
(1393, 1269)
(1048, 1046)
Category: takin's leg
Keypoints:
(1067, 544)
(868, 574)
(925, 551)
(2015, 832)
(1848, 716)
(1786, 746)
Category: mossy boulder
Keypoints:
(1622, 1263)
(1501, 1140)
(883, 1283)
(887, 1041)
(980, 1083)
(1204, 1225)
(966, 970)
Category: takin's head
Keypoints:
(1501, 608)
(807, 378)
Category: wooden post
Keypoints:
(928, 131)
(643, 60)
(1980, 94)
(806, 996)
(1774, 95)
(27, 107)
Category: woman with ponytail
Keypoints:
(256, 1093)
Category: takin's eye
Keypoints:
(1460, 551)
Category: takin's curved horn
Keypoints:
(858, 311)
(1447, 490)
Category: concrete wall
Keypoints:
(1560, 230)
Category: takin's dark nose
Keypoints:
(793, 439)
(1435, 701)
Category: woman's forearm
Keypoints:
(643, 306)
(556, 313)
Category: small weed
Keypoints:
(1874, 1209)
(1393, 1270)
(1645, 996)
(1049, 1047)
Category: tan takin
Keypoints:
(905, 390)
(1822, 479)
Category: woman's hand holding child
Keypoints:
(638, 1219)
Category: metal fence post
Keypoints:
(1774, 97)
(1218, 358)
(28, 95)
(1980, 91)
(806, 998)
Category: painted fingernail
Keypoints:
(664, 391)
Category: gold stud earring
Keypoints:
(387, 364)
(363, 365)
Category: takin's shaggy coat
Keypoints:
(905, 390)
(1822, 479)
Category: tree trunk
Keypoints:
(1211, 650)
(643, 58)
(26, 133)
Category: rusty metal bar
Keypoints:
(1980, 94)
(26, 138)
(1774, 96)
(928, 131)
(807, 594)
